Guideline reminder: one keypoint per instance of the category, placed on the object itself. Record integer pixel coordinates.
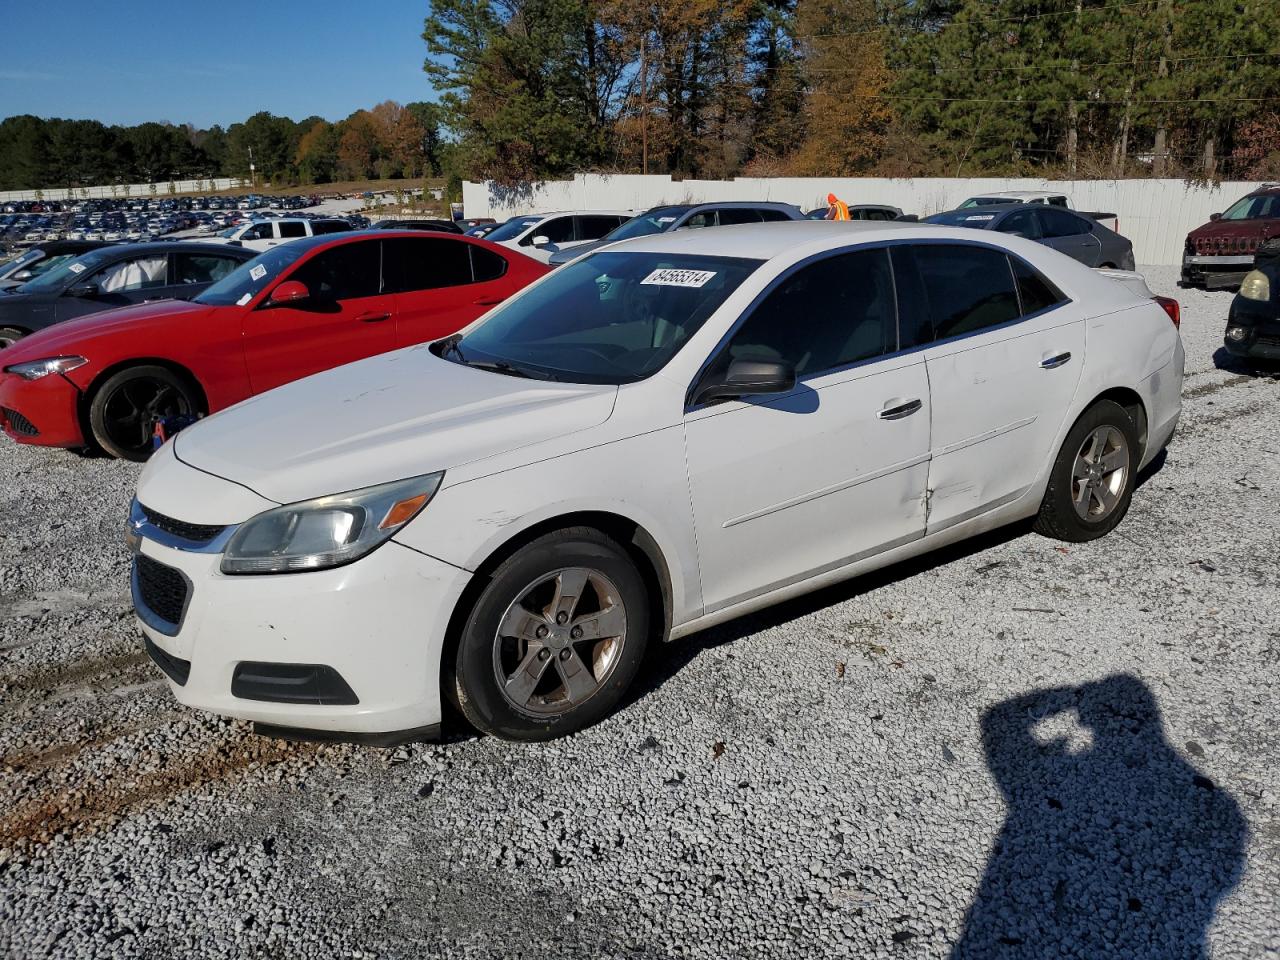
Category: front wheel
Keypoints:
(1091, 483)
(554, 640)
(126, 408)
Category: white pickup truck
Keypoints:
(1108, 220)
(264, 234)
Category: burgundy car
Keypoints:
(1219, 253)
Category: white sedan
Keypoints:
(655, 438)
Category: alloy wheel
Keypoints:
(559, 641)
(133, 409)
(1099, 474)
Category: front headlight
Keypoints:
(327, 531)
(1255, 286)
(35, 369)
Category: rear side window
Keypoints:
(593, 228)
(292, 228)
(426, 264)
(732, 215)
(201, 268)
(485, 264)
(1035, 292)
(347, 272)
(1059, 223)
(828, 314)
(969, 288)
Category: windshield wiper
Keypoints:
(507, 369)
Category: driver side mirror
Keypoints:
(541, 240)
(291, 291)
(748, 378)
(22, 276)
(1215, 216)
(83, 290)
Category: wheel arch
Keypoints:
(87, 394)
(630, 535)
(1133, 405)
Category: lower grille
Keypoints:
(196, 532)
(160, 593)
(20, 424)
(175, 668)
(1266, 340)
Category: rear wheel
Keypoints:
(1092, 480)
(126, 408)
(9, 336)
(555, 639)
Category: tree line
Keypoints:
(717, 88)
(389, 140)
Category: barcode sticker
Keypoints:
(670, 277)
(258, 272)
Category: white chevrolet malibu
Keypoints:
(657, 437)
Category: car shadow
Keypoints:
(1112, 844)
(1228, 362)
(669, 659)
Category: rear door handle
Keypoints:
(373, 317)
(898, 410)
(1049, 363)
(487, 301)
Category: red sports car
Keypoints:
(300, 308)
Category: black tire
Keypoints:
(472, 676)
(10, 335)
(1058, 516)
(150, 392)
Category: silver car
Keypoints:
(1078, 236)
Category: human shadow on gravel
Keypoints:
(1113, 845)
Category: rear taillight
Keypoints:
(1171, 307)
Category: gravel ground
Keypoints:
(1015, 748)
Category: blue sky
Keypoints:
(187, 62)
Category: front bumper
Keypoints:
(44, 412)
(1215, 272)
(1261, 322)
(378, 624)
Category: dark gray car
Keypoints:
(680, 216)
(1074, 234)
(115, 276)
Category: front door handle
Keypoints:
(487, 301)
(900, 409)
(1050, 363)
(373, 317)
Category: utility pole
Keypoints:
(644, 110)
(1161, 148)
(1073, 111)
(253, 180)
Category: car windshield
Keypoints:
(65, 273)
(962, 218)
(612, 317)
(513, 228)
(19, 263)
(246, 281)
(654, 221)
(1263, 206)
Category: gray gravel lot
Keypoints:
(1013, 749)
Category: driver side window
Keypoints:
(139, 273)
(829, 314)
(1021, 224)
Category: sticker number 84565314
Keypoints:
(671, 277)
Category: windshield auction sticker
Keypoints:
(670, 277)
(76, 268)
(982, 216)
(258, 272)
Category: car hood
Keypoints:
(1214, 229)
(70, 336)
(386, 418)
(572, 253)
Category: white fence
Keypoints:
(1155, 214)
(123, 190)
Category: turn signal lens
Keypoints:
(403, 512)
(1256, 286)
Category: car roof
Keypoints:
(752, 204)
(172, 246)
(765, 241)
(1022, 193)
